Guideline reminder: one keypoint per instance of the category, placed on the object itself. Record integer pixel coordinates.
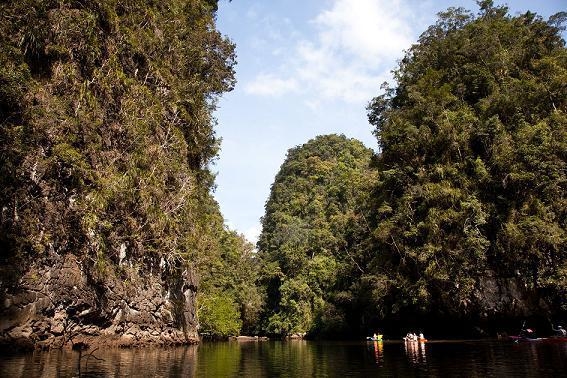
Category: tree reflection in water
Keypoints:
(301, 359)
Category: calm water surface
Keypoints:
(301, 359)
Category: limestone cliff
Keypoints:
(106, 136)
(60, 302)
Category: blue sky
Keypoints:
(307, 68)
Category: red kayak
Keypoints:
(556, 339)
(552, 339)
(524, 338)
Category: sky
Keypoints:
(308, 68)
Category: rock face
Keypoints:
(60, 303)
(508, 297)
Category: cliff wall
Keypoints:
(59, 302)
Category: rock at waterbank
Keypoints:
(296, 336)
(58, 303)
(248, 338)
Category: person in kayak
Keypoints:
(560, 331)
(528, 333)
(375, 337)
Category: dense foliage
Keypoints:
(463, 214)
(473, 165)
(312, 235)
(230, 302)
(107, 135)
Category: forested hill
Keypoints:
(109, 232)
(313, 235)
(105, 142)
(465, 222)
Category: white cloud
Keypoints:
(353, 50)
(371, 30)
(252, 234)
(270, 85)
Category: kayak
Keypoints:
(418, 340)
(556, 339)
(529, 339)
(370, 338)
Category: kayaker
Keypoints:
(410, 336)
(560, 331)
(375, 337)
(528, 333)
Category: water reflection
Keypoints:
(379, 352)
(415, 351)
(145, 362)
(299, 359)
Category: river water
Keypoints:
(301, 359)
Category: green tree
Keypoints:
(218, 315)
(107, 131)
(472, 164)
(311, 234)
(230, 270)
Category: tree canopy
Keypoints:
(107, 134)
(460, 216)
(311, 235)
(473, 168)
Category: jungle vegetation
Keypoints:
(313, 234)
(473, 164)
(107, 135)
(468, 189)
(107, 138)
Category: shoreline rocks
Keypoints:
(248, 338)
(59, 303)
